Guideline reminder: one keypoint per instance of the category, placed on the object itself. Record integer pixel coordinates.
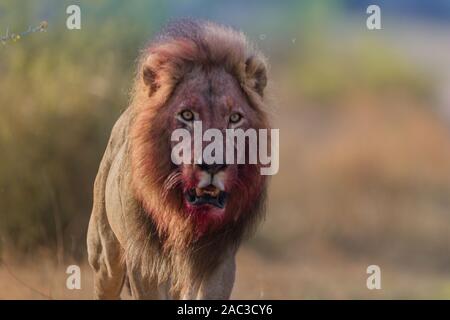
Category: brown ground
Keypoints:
(257, 278)
(357, 186)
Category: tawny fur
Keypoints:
(138, 228)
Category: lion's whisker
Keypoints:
(172, 181)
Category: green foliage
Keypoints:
(60, 93)
(326, 71)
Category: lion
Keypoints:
(172, 231)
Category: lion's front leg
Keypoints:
(145, 288)
(219, 284)
(105, 258)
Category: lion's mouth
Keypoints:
(209, 195)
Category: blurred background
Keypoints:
(364, 119)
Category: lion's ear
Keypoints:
(256, 73)
(162, 68)
(150, 79)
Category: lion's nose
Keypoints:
(212, 168)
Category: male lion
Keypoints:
(173, 230)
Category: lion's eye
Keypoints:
(187, 115)
(235, 117)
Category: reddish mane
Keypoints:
(162, 66)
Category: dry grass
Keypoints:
(317, 277)
(364, 169)
(357, 186)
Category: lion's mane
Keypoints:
(163, 242)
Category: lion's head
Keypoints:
(196, 71)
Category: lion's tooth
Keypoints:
(199, 192)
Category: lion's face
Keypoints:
(216, 191)
(214, 77)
